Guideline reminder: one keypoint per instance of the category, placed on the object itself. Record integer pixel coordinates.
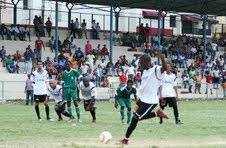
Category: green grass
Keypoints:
(204, 126)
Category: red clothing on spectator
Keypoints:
(104, 50)
(137, 77)
(88, 48)
(152, 47)
(123, 79)
(39, 44)
(208, 79)
(18, 56)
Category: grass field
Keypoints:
(204, 126)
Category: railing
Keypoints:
(14, 90)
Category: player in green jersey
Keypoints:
(123, 99)
(70, 77)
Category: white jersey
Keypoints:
(87, 92)
(150, 83)
(168, 84)
(55, 93)
(39, 80)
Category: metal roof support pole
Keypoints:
(69, 13)
(111, 32)
(15, 11)
(159, 32)
(204, 39)
(117, 10)
(56, 31)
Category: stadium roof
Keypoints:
(211, 7)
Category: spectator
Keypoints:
(83, 26)
(88, 48)
(137, 79)
(103, 64)
(72, 27)
(104, 51)
(77, 29)
(72, 44)
(105, 81)
(78, 54)
(11, 32)
(9, 64)
(98, 31)
(3, 54)
(186, 80)
(146, 48)
(198, 81)
(216, 77)
(90, 59)
(38, 46)
(116, 38)
(94, 29)
(15, 63)
(190, 83)
(66, 46)
(48, 26)
(90, 76)
(17, 32)
(214, 49)
(62, 63)
(96, 52)
(99, 75)
(4, 31)
(130, 72)
(110, 69)
(221, 64)
(51, 43)
(84, 69)
(122, 79)
(18, 56)
(73, 63)
(26, 31)
(33, 60)
(29, 90)
(192, 72)
(147, 34)
(27, 60)
(208, 82)
(48, 61)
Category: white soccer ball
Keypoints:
(105, 137)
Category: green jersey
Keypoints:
(124, 93)
(70, 78)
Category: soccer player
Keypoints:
(40, 78)
(55, 91)
(147, 94)
(69, 78)
(169, 93)
(88, 91)
(123, 99)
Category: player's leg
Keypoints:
(58, 112)
(129, 110)
(67, 98)
(62, 110)
(74, 97)
(36, 98)
(162, 106)
(42, 98)
(173, 103)
(122, 107)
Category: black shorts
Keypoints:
(143, 109)
(39, 98)
(171, 101)
(62, 108)
(86, 103)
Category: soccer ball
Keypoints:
(105, 137)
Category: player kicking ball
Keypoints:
(169, 93)
(39, 78)
(55, 91)
(88, 91)
(69, 78)
(147, 94)
(123, 99)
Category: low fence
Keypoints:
(14, 90)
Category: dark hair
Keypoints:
(130, 81)
(39, 62)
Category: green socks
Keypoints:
(122, 114)
(77, 112)
(129, 115)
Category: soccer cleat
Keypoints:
(50, 119)
(94, 121)
(40, 120)
(79, 120)
(178, 122)
(160, 114)
(123, 122)
(60, 119)
(161, 121)
(122, 142)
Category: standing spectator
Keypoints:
(90, 76)
(198, 81)
(216, 77)
(77, 29)
(116, 38)
(147, 30)
(84, 69)
(38, 46)
(99, 75)
(208, 82)
(96, 52)
(3, 54)
(103, 64)
(122, 79)
(88, 48)
(186, 80)
(29, 90)
(110, 69)
(48, 61)
(27, 60)
(221, 64)
(72, 27)
(4, 31)
(137, 79)
(48, 26)
(130, 72)
(214, 49)
(98, 31)
(190, 83)
(83, 26)
(26, 31)
(90, 59)
(94, 29)
(73, 63)
(51, 43)
(104, 51)
(105, 81)
(33, 60)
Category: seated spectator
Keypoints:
(4, 31)
(122, 78)
(124, 61)
(130, 72)
(10, 64)
(65, 46)
(146, 48)
(88, 48)
(90, 59)
(61, 63)
(103, 64)
(60, 46)
(110, 69)
(137, 79)
(83, 27)
(105, 81)
(73, 63)
(90, 76)
(51, 43)
(11, 32)
(48, 26)
(48, 61)
(78, 54)
(26, 31)
(104, 51)
(72, 44)
(18, 56)
(3, 54)
(116, 38)
(84, 69)
(18, 32)
(96, 52)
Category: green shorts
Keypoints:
(124, 102)
(70, 93)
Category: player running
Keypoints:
(147, 94)
(88, 91)
(169, 93)
(69, 78)
(123, 99)
(40, 77)
(55, 91)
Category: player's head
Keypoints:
(29, 76)
(85, 81)
(129, 84)
(68, 66)
(145, 62)
(168, 68)
(39, 65)
(52, 83)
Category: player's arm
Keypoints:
(176, 91)
(160, 93)
(160, 55)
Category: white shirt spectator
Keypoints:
(214, 46)
(84, 69)
(193, 49)
(130, 70)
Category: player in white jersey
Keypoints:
(147, 93)
(39, 78)
(88, 91)
(169, 93)
(55, 91)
